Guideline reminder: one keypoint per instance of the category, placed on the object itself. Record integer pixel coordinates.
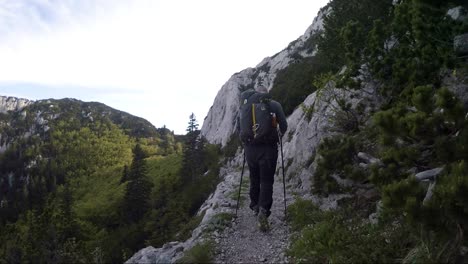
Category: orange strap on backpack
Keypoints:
(274, 122)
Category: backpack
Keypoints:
(257, 123)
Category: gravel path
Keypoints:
(243, 242)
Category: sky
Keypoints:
(156, 59)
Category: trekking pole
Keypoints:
(282, 165)
(240, 184)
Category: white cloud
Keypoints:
(174, 49)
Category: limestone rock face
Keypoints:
(221, 122)
(12, 104)
(319, 117)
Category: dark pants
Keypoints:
(262, 165)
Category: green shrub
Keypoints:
(234, 194)
(294, 83)
(308, 111)
(229, 151)
(200, 253)
(336, 155)
(420, 126)
(219, 222)
(432, 249)
(341, 237)
(303, 213)
(187, 228)
(346, 29)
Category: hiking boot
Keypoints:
(254, 209)
(263, 224)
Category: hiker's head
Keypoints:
(261, 89)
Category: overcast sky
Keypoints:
(157, 59)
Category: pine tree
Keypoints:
(124, 174)
(423, 126)
(193, 151)
(136, 200)
(69, 225)
(193, 124)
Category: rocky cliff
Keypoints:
(13, 103)
(221, 121)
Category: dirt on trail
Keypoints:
(243, 242)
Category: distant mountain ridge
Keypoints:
(49, 109)
(65, 166)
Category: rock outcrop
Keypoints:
(457, 84)
(319, 117)
(13, 104)
(460, 42)
(221, 121)
(458, 13)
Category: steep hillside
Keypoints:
(43, 112)
(81, 182)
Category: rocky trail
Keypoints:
(243, 242)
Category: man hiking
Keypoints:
(259, 120)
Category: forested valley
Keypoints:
(85, 183)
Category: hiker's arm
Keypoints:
(280, 116)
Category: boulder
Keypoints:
(428, 174)
(368, 159)
(457, 13)
(458, 84)
(460, 44)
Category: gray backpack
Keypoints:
(257, 123)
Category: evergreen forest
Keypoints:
(85, 183)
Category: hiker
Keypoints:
(259, 134)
